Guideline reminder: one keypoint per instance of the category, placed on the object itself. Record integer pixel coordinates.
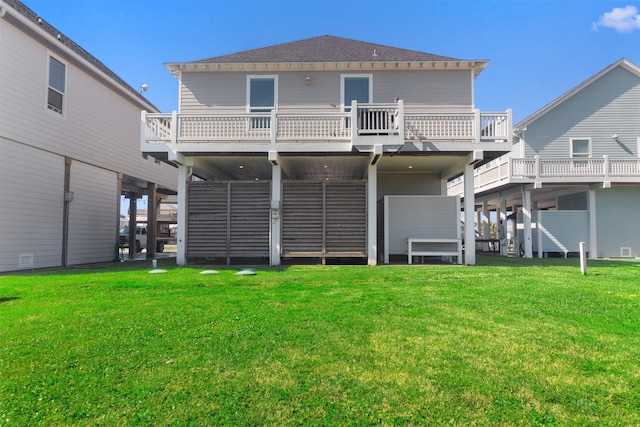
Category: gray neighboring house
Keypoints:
(573, 173)
(324, 148)
(69, 144)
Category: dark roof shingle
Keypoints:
(324, 49)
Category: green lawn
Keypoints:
(506, 342)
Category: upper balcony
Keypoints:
(588, 170)
(388, 125)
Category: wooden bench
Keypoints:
(445, 251)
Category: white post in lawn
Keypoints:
(469, 211)
(583, 258)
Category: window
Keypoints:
(580, 148)
(56, 90)
(355, 88)
(261, 98)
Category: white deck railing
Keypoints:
(602, 167)
(371, 119)
(556, 169)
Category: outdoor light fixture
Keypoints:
(615, 137)
(307, 80)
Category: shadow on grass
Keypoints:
(7, 299)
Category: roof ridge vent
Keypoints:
(375, 52)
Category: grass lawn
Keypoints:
(506, 342)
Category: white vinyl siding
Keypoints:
(93, 216)
(618, 226)
(428, 217)
(101, 127)
(608, 106)
(31, 207)
(421, 90)
(560, 231)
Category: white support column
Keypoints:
(183, 177)
(276, 214)
(372, 215)
(593, 227)
(502, 226)
(486, 225)
(526, 219)
(469, 210)
(539, 227)
(514, 230)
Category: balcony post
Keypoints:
(401, 118)
(274, 127)
(536, 166)
(606, 167)
(143, 129)
(509, 126)
(354, 120)
(174, 127)
(478, 125)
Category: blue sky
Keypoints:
(537, 49)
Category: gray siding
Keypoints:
(618, 220)
(417, 184)
(429, 217)
(420, 90)
(561, 231)
(30, 208)
(93, 215)
(100, 126)
(573, 202)
(610, 105)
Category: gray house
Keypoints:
(573, 173)
(69, 144)
(325, 148)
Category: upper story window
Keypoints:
(356, 87)
(262, 97)
(580, 147)
(56, 89)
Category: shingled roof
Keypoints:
(325, 49)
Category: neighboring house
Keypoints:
(323, 148)
(69, 144)
(573, 174)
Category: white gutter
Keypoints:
(47, 38)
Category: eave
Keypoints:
(476, 65)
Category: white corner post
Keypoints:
(526, 219)
(183, 177)
(502, 226)
(593, 225)
(276, 214)
(372, 207)
(486, 225)
(469, 220)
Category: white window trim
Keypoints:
(571, 154)
(343, 76)
(262, 76)
(63, 114)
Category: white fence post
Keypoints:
(583, 259)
